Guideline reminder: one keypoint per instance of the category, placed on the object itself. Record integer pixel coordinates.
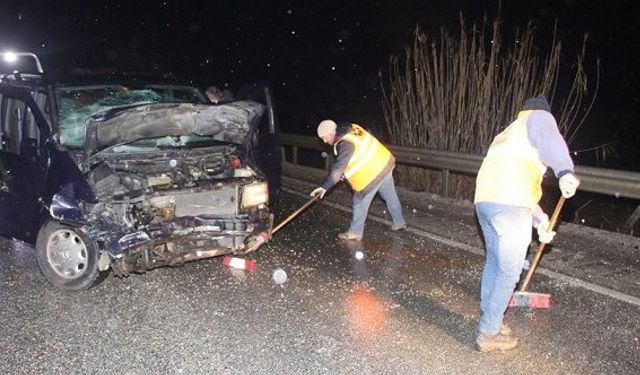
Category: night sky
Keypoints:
(322, 57)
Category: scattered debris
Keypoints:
(279, 276)
(239, 263)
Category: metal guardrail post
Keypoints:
(445, 182)
(294, 154)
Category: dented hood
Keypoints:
(232, 122)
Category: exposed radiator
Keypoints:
(222, 201)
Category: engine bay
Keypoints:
(158, 208)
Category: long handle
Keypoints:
(296, 213)
(536, 260)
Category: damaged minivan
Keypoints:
(128, 174)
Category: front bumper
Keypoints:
(183, 239)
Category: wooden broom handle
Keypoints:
(536, 260)
(296, 213)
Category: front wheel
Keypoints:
(66, 258)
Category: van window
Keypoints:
(17, 122)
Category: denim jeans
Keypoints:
(507, 234)
(362, 202)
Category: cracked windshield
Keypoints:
(77, 104)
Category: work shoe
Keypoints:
(487, 343)
(396, 228)
(350, 236)
(505, 330)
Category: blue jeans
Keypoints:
(507, 234)
(362, 202)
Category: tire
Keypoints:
(66, 258)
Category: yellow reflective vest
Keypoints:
(512, 172)
(370, 160)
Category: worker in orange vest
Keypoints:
(367, 166)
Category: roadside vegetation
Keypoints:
(455, 92)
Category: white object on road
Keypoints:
(279, 276)
(239, 263)
(359, 255)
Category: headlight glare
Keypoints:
(255, 194)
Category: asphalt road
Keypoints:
(410, 306)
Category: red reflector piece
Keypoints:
(239, 263)
(236, 163)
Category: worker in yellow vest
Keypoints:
(508, 188)
(367, 166)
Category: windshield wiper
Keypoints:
(115, 111)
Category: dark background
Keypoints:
(323, 57)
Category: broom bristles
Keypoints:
(530, 300)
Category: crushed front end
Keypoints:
(165, 208)
(173, 181)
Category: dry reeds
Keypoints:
(457, 94)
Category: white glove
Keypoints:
(544, 234)
(568, 185)
(318, 191)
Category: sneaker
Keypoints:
(396, 228)
(486, 343)
(350, 236)
(505, 330)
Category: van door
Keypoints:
(22, 166)
(267, 151)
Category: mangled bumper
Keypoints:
(183, 239)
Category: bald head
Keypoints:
(327, 131)
(326, 127)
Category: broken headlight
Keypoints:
(255, 194)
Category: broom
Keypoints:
(522, 298)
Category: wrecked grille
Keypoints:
(217, 202)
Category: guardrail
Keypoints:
(597, 180)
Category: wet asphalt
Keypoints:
(410, 306)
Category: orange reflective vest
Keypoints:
(369, 161)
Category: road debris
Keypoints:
(279, 276)
(239, 263)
